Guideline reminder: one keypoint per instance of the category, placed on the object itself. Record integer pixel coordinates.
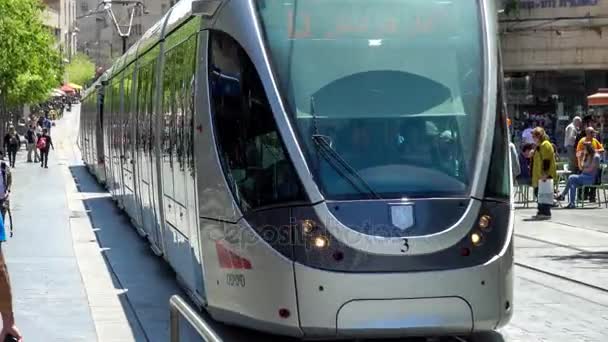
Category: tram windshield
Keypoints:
(386, 95)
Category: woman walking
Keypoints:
(44, 144)
(543, 168)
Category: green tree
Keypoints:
(30, 65)
(80, 70)
(511, 6)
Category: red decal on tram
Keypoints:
(231, 260)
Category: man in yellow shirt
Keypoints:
(590, 134)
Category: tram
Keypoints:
(317, 172)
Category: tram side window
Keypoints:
(498, 184)
(251, 151)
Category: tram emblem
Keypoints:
(402, 216)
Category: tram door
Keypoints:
(144, 151)
(113, 134)
(177, 157)
(127, 158)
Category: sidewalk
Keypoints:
(79, 270)
(54, 256)
(561, 277)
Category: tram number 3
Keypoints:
(406, 246)
(235, 280)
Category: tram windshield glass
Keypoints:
(386, 95)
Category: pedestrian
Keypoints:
(526, 135)
(6, 181)
(589, 172)
(41, 121)
(30, 137)
(44, 144)
(11, 145)
(590, 134)
(543, 168)
(9, 329)
(6, 308)
(47, 123)
(525, 173)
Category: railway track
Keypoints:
(581, 228)
(554, 274)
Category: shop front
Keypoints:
(555, 55)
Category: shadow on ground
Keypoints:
(597, 257)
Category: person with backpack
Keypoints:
(11, 145)
(44, 144)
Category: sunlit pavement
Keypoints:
(561, 290)
(81, 273)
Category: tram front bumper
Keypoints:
(381, 318)
(454, 302)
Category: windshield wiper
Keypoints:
(342, 167)
(334, 159)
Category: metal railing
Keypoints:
(178, 307)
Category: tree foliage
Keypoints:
(511, 6)
(30, 65)
(80, 70)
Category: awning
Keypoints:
(66, 88)
(57, 93)
(599, 99)
(75, 86)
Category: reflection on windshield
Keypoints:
(396, 87)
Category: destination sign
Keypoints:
(534, 4)
(319, 25)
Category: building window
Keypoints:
(254, 161)
(137, 29)
(84, 6)
(163, 8)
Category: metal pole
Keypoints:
(124, 44)
(174, 321)
(98, 25)
(179, 307)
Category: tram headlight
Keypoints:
(476, 239)
(308, 226)
(320, 241)
(484, 223)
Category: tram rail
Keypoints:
(553, 274)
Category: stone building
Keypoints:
(60, 17)
(555, 54)
(98, 36)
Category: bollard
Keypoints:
(178, 307)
